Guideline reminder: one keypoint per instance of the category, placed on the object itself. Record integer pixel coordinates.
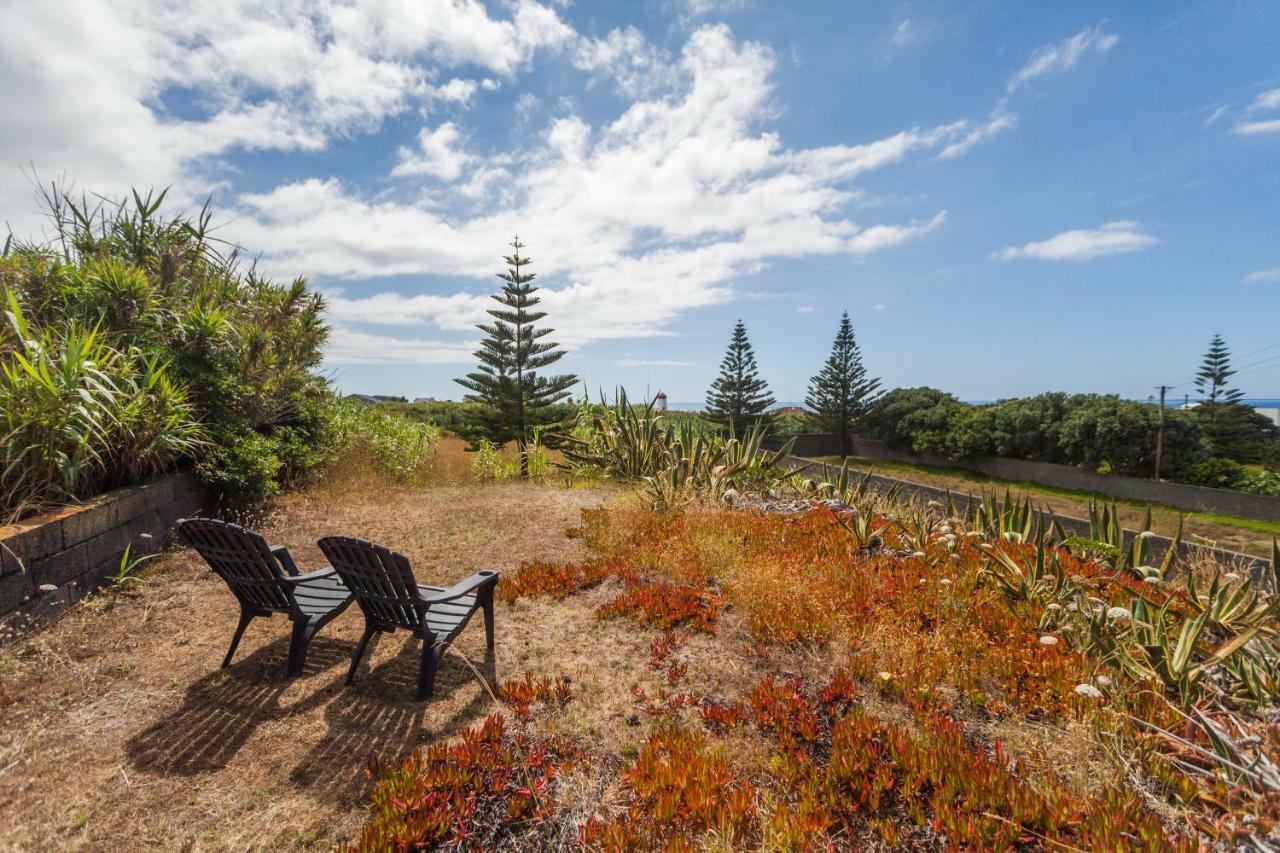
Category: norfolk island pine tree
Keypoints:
(514, 399)
(738, 397)
(842, 392)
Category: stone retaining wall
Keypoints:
(74, 548)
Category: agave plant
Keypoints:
(674, 460)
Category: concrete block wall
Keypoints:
(75, 547)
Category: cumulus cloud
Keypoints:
(87, 81)
(1113, 238)
(347, 346)
(1268, 276)
(1062, 56)
(436, 155)
(642, 219)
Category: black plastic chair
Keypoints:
(391, 598)
(265, 580)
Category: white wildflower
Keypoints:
(1089, 690)
(884, 676)
(945, 581)
(1119, 614)
(917, 553)
(1048, 640)
(1053, 607)
(1103, 680)
(1231, 577)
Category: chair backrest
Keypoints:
(379, 578)
(242, 559)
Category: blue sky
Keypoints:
(1007, 197)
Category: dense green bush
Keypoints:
(78, 416)
(214, 362)
(1218, 473)
(401, 447)
(1094, 431)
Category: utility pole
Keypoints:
(1160, 432)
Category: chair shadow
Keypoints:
(378, 717)
(225, 707)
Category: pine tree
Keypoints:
(842, 392)
(1227, 423)
(738, 397)
(514, 399)
(1215, 370)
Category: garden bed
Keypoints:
(726, 678)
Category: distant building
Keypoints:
(788, 410)
(424, 399)
(1272, 413)
(660, 401)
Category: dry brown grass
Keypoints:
(118, 729)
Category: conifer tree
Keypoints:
(1215, 370)
(842, 392)
(1232, 428)
(738, 397)
(514, 398)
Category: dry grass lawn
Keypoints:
(118, 729)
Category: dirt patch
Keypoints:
(117, 728)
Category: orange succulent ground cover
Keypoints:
(892, 736)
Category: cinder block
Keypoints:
(32, 539)
(15, 591)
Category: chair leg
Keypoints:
(302, 633)
(246, 616)
(427, 673)
(359, 653)
(487, 604)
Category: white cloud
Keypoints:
(1217, 113)
(702, 8)
(1113, 238)
(1268, 100)
(651, 362)
(1064, 55)
(630, 224)
(1268, 276)
(86, 82)
(879, 306)
(1257, 128)
(351, 347)
(435, 156)
(629, 59)
(805, 309)
(904, 33)
(998, 122)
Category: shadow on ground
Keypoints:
(374, 717)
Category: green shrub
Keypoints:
(1260, 482)
(487, 462)
(1094, 431)
(242, 468)
(1218, 473)
(78, 416)
(401, 447)
(165, 313)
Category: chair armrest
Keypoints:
(285, 559)
(475, 583)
